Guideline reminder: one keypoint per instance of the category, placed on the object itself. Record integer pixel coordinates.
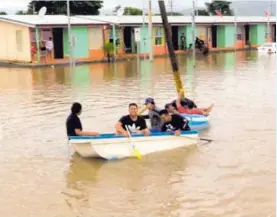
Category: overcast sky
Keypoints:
(11, 6)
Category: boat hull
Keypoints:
(197, 122)
(114, 147)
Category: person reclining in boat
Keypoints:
(153, 114)
(174, 123)
(73, 123)
(185, 102)
(134, 122)
(186, 110)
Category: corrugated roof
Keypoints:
(181, 19)
(34, 20)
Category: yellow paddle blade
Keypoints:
(138, 155)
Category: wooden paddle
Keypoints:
(137, 153)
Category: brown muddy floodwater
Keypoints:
(234, 176)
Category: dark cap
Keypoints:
(167, 105)
(163, 112)
(149, 100)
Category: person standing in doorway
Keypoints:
(49, 48)
(183, 41)
(43, 52)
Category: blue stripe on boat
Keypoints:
(193, 116)
(198, 123)
(113, 136)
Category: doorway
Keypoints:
(127, 35)
(274, 33)
(246, 30)
(174, 37)
(58, 43)
(214, 36)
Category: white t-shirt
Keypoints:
(49, 45)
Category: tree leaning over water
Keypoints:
(59, 7)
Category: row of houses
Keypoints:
(90, 33)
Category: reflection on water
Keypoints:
(232, 176)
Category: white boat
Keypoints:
(267, 48)
(112, 147)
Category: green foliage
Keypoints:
(59, 7)
(222, 6)
(174, 14)
(170, 14)
(132, 11)
(20, 12)
(202, 12)
(3, 13)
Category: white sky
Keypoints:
(11, 6)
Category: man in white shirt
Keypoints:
(49, 47)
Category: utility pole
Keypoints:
(195, 9)
(173, 60)
(69, 34)
(236, 27)
(193, 32)
(143, 26)
(150, 31)
(271, 9)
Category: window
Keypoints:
(158, 36)
(239, 33)
(117, 37)
(19, 40)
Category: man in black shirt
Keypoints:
(174, 123)
(135, 123)
(73, 123)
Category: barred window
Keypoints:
(158, 36)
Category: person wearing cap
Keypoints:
(73, 123)
(153, 114)
(173, 123)
(185, 102)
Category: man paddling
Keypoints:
(173, 122)
(185, 110)
(74, 125)
(134, 123)
(153, 114)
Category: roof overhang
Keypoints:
(17, 22)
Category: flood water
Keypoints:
(234, 176)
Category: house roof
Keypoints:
(181, 19)
(35, 20)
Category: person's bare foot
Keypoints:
(209, 109)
